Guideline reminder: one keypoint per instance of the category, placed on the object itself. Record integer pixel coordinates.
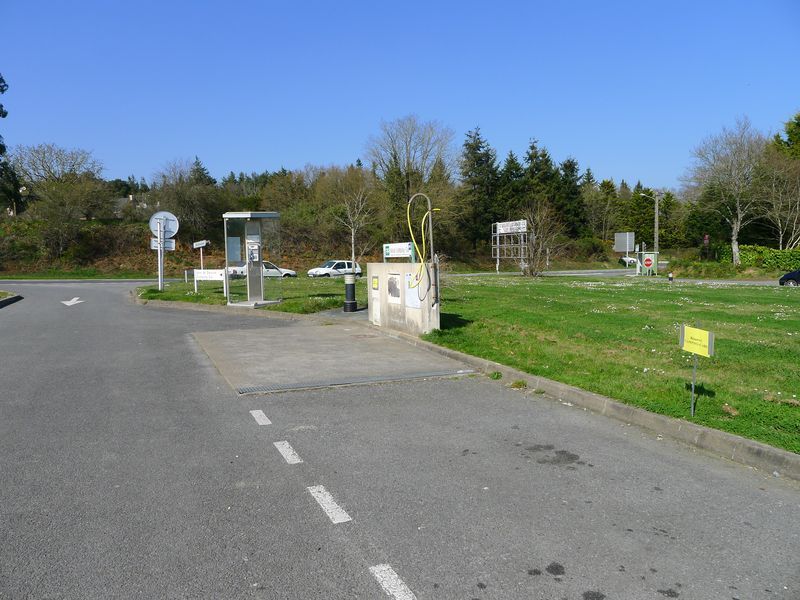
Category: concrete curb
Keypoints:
(9, 300)
(727, 445)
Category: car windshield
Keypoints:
(328, 264)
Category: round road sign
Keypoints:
(169, 223)
(648, 262)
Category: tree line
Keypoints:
(741, 187)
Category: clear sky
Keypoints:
(627, 88)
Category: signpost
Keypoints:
(698, 342)
(510, 240)
(201, 244)
(211, 275)
(163, 225)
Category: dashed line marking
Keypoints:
(335, 512)
(286, 450)
(260, 417)
(391, 583)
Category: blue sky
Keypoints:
(626, 88)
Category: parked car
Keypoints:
(334, 268)
(628, 261)
(791, 279)
(272, 270)
(237, 269)
(268, 269)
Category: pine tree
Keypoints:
(199, 174)
(541, 176)
(791, 145)
(568, 201)
(479, 182)
(511, 189)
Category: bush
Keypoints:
(766, 258)
(587, 248)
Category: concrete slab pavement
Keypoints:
(312, 355)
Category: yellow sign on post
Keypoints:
(697, 341)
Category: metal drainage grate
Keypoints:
(283, 387)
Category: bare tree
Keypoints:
(778, 183)
(353, 190)
(408, 151)
(51, 163)
(726, 163)
(544, 232)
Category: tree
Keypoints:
(602, 208)
(69, 178)
(541, 176)
(403, 156)
(567, 201)
(47, 163)
(191, 194)
(544, 233)
(510, 188)
(778, 184)
(478, 192)
(354, 211)
(198, 174)
(640, 213)
(791, 144)
(727, 163)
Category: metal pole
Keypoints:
(655, 231)
(160, 255)
(201, 258)
(694, 378)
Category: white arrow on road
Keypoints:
(73, 302)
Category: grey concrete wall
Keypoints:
(394, 304)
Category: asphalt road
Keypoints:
(130, 468)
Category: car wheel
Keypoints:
(791, 282)
(286, 275)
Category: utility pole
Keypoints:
(655, 227)
(655, 218)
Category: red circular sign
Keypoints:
(648, 262)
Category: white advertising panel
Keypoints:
(512, 227)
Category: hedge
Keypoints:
(761, 256)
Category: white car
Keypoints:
(268, 269)
(334, 268)
(272, 270)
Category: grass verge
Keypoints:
(301, 295)
(619, 338)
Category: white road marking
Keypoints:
(391, 583)
(260, 417)
(73, 302)
(288, 452)
(335, 512)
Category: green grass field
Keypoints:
(619, 338)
